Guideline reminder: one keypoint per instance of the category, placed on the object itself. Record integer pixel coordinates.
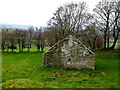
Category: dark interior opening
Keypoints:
(69, 59)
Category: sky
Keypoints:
(33, 12)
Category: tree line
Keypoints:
(95, 30)
(23, 38)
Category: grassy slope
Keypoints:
(25, 70)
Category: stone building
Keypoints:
(69, 52)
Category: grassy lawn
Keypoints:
(117, 46)
(25, 70)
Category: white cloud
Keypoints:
(32, 12)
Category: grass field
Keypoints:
(117, 46)
(25, 70)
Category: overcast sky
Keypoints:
(33, 12)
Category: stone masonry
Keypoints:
(69, 52)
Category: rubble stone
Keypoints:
(69, 52)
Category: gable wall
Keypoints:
(69, 54)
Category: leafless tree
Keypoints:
(23, 39)
(5, 42)
(69, 19)
(90, 36)
(12, 40)
(116, 23)
(39, 39)
(18, 33)
(29, 38)
(108, 14)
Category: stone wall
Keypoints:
(69, 53)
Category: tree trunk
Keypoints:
(115, 36)
(115, 40)
(12, 50)
(104, 39)
(108, 40)
(28, 49)
(42, 48)
(30, 45)
(19, 44)
(19, 47)
(107, 29)
(114, 43)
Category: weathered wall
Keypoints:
(69, 54)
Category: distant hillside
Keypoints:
(13, 26)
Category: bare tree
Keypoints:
(104, 12)
(42, 41)
(90, 36)
(116, 23)
(52, 36)
(18, 33)
(108, 13)
(39, 39)
(5, 42)
(12, 39)
(23, 39)
(69, 19)
(30, 36)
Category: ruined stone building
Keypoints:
(69, 52)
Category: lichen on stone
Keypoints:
(69, 53)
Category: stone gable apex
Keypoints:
(74, 39)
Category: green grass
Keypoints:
(25, 70)
(117, 46)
